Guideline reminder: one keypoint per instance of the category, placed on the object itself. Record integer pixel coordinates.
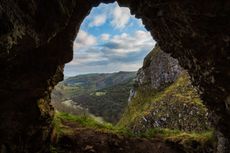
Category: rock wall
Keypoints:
(159, 70)
(32, 50)
(163, 97)
(32, 55)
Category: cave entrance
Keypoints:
(36, 41)
(108, 50)
(108, 81)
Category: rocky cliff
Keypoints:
(158, 71)
(163, 97)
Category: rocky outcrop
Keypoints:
(163, 97)
(32, 49)
(159, 70)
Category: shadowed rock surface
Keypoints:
(33, 52)
(73, 136)
(90, 141)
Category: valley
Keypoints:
(156, 109)
(104, 96)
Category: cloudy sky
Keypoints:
(110, 40)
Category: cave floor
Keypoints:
(90, 140)
(82, 134)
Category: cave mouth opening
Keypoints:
(196, 32)
(109, 48)
(110, 44)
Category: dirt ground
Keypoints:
(88, 140)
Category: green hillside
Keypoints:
(96, 81)
(104, 95)
(178, 107)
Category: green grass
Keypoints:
(185, 139)
(86, 122)
(100, 93)
(176, 134)
(145, 101)
(108, 102)
(91, 122)
(202, 137)
(197, 142)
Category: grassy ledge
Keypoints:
(66, 124)
(84, 122)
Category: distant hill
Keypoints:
(99, 94)
(96, 81)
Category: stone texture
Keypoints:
(159, 70)
(32, 55)
(169, 100)
(32, 48)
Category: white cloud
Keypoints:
(105, 37)
(107, 52)
(84, 40)
(124, 52)
(84, 58)
(72, 70)
(121, 17)
(118, 48)
(130, 66)
(98, 20)
(140, 22)
(121, 45)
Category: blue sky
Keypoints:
(110, 39)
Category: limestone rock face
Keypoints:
(163, 97)
(32, 49)
(159, 69)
